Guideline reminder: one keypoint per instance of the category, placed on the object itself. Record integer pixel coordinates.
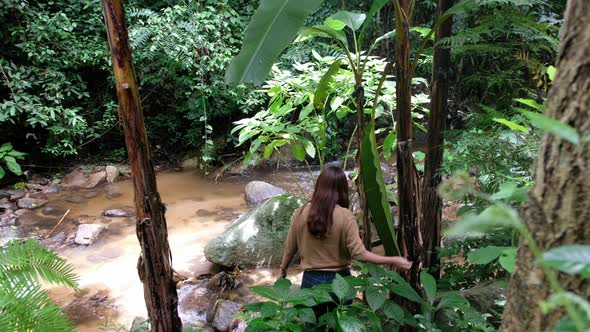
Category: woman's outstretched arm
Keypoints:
(290, 248)
(397, 261)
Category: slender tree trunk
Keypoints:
(559, 203)
(432, 203)
(154, 265)
(409, 233)
(359, 94)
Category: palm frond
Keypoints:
(24, 306)
(28, 260)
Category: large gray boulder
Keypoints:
(258, 237)
(31, 203)
(259, 191)
(78, 179)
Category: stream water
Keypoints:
(198, 209)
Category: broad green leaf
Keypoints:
(393, 311)
(334, 23)
(551, 72)
(309, 148)
(352, 20)
(512, 125)
(13, 165)
(323, 31)
(553, 126)
(376, 296)
(508, 259)
(452, 300)
(375, 8)
(389, 35)
(405, 290)
(341, 288)
(511, 191)
(298, 152)
(348, 323)
(489, 220)
(530, 103)
(323, 89)
(429, 285)
(16, 154)
(283, 287)
(571, 259)
(423, 31)
(5, 147)
(272, 28)
(2, 172)
(307, 315)
(389, 144)
(342, 112)
(485, 255)
(376, 193)
(266, 292)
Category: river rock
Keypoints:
(190, 163)
(17, 194)
(259, 191)
(52, 189)
(258, 237)
(119, 213)
(5, 205)
(7, 234)
(112, 174)
(78, 179)
(88, 233)
(224, 314)
(7, 219)
(31, 203)
(53, 211)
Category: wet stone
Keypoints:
(53, 211)
(17, 194)
(90, 194)
(88, 233)
(204, 213)
(31, 203)
(119, 213)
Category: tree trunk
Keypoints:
(154, 264)
(559, 203)
(359, 94)
(432, 203)
(409, 233)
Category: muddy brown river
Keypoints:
(110, 291)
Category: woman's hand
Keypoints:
(402, 263)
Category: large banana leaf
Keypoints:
(272, 28)
(376, 194)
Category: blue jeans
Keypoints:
(313, 278)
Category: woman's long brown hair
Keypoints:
(331, 188)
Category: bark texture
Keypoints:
(559, 203)
(154, 265)
(432, 203)
(409, 236)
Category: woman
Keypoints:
(326, 235)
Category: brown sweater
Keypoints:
(335, 252)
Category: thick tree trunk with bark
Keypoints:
(432, 203)
(559, 203)
(154, 265)
(409, 237)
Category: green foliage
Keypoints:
(272, 28)
(501, 48)
(24, 305)
(378, 313)
(9, 157)
(571, 259)
(376, 193)
(46, 83)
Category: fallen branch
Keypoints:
(58, 223)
